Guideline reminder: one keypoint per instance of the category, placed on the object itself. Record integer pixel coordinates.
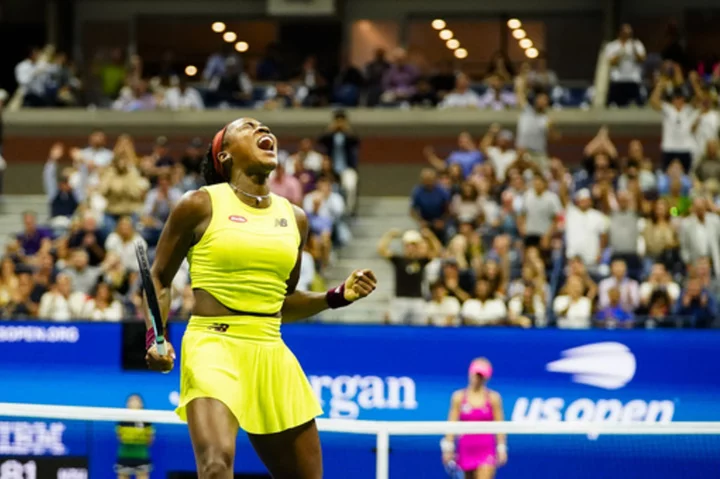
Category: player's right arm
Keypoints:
(448, 442)
(183, 228)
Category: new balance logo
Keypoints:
(219, 327)
(282, 222)
(607, 365)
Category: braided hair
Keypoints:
(213, 171)
(208, 171)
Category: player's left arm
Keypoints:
(304, 304)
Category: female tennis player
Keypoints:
(244, 247)
(478, 455)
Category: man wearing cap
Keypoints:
(502, 154)
(408, 305)
(585, 230)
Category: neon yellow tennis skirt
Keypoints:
(243, 362)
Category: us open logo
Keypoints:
(237, 219)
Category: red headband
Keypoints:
(216, 148)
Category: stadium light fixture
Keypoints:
(514, 24)
(438, 24)
(191, 70)
(452, 44)
(218, 27)
(446, 34)
(242, 47)
(526, 43)
(229, 37)
(519, 34)
(461, 53)
(531, 53)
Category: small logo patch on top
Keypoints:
(237, 219)
(282, 222)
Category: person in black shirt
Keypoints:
(90, 238)
(374, 72)
(424, 95)
(408, 306)
(443, 81)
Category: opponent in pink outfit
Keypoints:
(476, 454)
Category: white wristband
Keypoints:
(502, 448)
(447, 446)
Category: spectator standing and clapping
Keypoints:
(534, 126)
(341, 145)
(441, 309)
(700, 235)
(123, 187)
(61, 303)
(408, 305)
(678, 141)
(497, 146)
(627, 288)
(62, 197)
(399, 80)
(462, 96)
(585, 230)
(430, 204)
(626, 55)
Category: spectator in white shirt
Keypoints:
(659, 279)
(122, 243)
(585, 230)
(628, 288)
(462, 96)
(573, 310)
(96, 158)
(700, 235)
(705, 128)
(32, 74)
(307, 157)
(183, 97)
(678, 140)
(61, 303)
(102, 306)
(495, 97)
(626, 55)
(497, 146)
(442, 310)
(484, 309)
(527, 308)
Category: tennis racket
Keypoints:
(149, 290)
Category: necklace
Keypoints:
(258, 198)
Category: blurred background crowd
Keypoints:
(505, 231)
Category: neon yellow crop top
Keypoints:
(246, 254)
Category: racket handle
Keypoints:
(161, 347)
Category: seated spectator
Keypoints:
(442, 310)
(457, 282)
(32, 236)
(497, 146)
(281, 95)
(192, 160)
(83, 276)
(465, 207)
(21, 305)
(408, 306)
(530, 275)
(707, 168)
(658, 312)
(122, 242)
(700, 235)
(8, 281)
(348, 84)
(443, 78)
(102, 306)
(160, 161)
(495, 97)
(137, 97)
(44, 276)
(467, 156)
(613, 314)
(88, 237)
(541, 77)
(306, 156)
(501, 66)
(430, 204)
(528, 307)
(32, 74)
(703, 271)
(573, 310)
(233, 86)
(659, 280)
(182, 97)
(624, 233)
(628, 288)
(585, 230)
(674, 173)
(483, 309)
(462, 96)
(697, 306)
(399, 80)
(61, 303)
(283, 184)
(424, 96)
(496, 276)
(124, 188)
(313, 88)
(538, 220)
(159, 202)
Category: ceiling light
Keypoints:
(514, 23)
(438, 24)
(461, 53)
(229, 37)
(446, 34)
(452, 44)
(218, 27)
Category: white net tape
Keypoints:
(381, 429)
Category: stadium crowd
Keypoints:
(81, 264)
(509, 235)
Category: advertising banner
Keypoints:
(398, 373)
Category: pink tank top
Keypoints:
(470, 413)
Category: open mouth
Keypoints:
(266, 143)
